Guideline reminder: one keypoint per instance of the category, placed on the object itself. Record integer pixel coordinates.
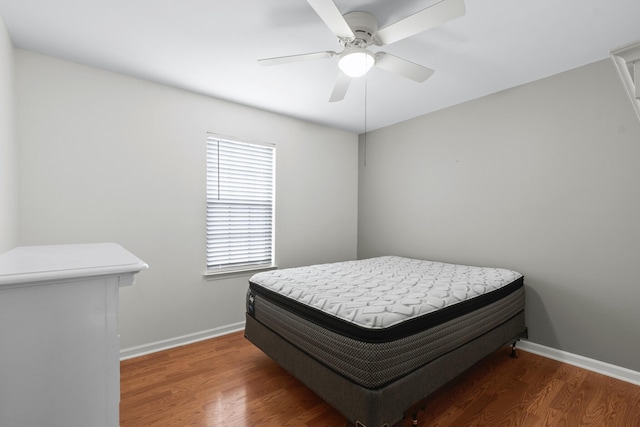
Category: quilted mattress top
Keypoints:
(382, 292)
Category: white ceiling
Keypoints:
(211, 47)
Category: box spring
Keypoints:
(375, 364)
(386, 406)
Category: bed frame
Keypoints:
(385, 406)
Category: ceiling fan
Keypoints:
(357, 31)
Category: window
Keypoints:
(240, 205)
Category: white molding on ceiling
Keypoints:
(627, 61)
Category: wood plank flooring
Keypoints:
(227, 381)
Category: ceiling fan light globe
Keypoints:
(356, 64)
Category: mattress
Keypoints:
(376, 320)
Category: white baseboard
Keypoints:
(603, 368)
(141, 350)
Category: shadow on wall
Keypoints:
(538, 320)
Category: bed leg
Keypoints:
(513, 354)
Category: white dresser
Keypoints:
(59, 349)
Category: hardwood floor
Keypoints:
(227, 381)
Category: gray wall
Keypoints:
(105, 157)
(8, 188)
(542, 179)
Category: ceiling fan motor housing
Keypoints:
(364, 26)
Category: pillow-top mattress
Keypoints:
(385, 298)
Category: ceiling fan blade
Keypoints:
(426, 19)
(330, 14)
(400, 66)
(295, 58)
(340, 88)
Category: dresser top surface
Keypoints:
(57, 262)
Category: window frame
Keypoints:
(216, 186)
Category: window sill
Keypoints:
(226, 274)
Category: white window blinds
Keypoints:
(240, 199)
